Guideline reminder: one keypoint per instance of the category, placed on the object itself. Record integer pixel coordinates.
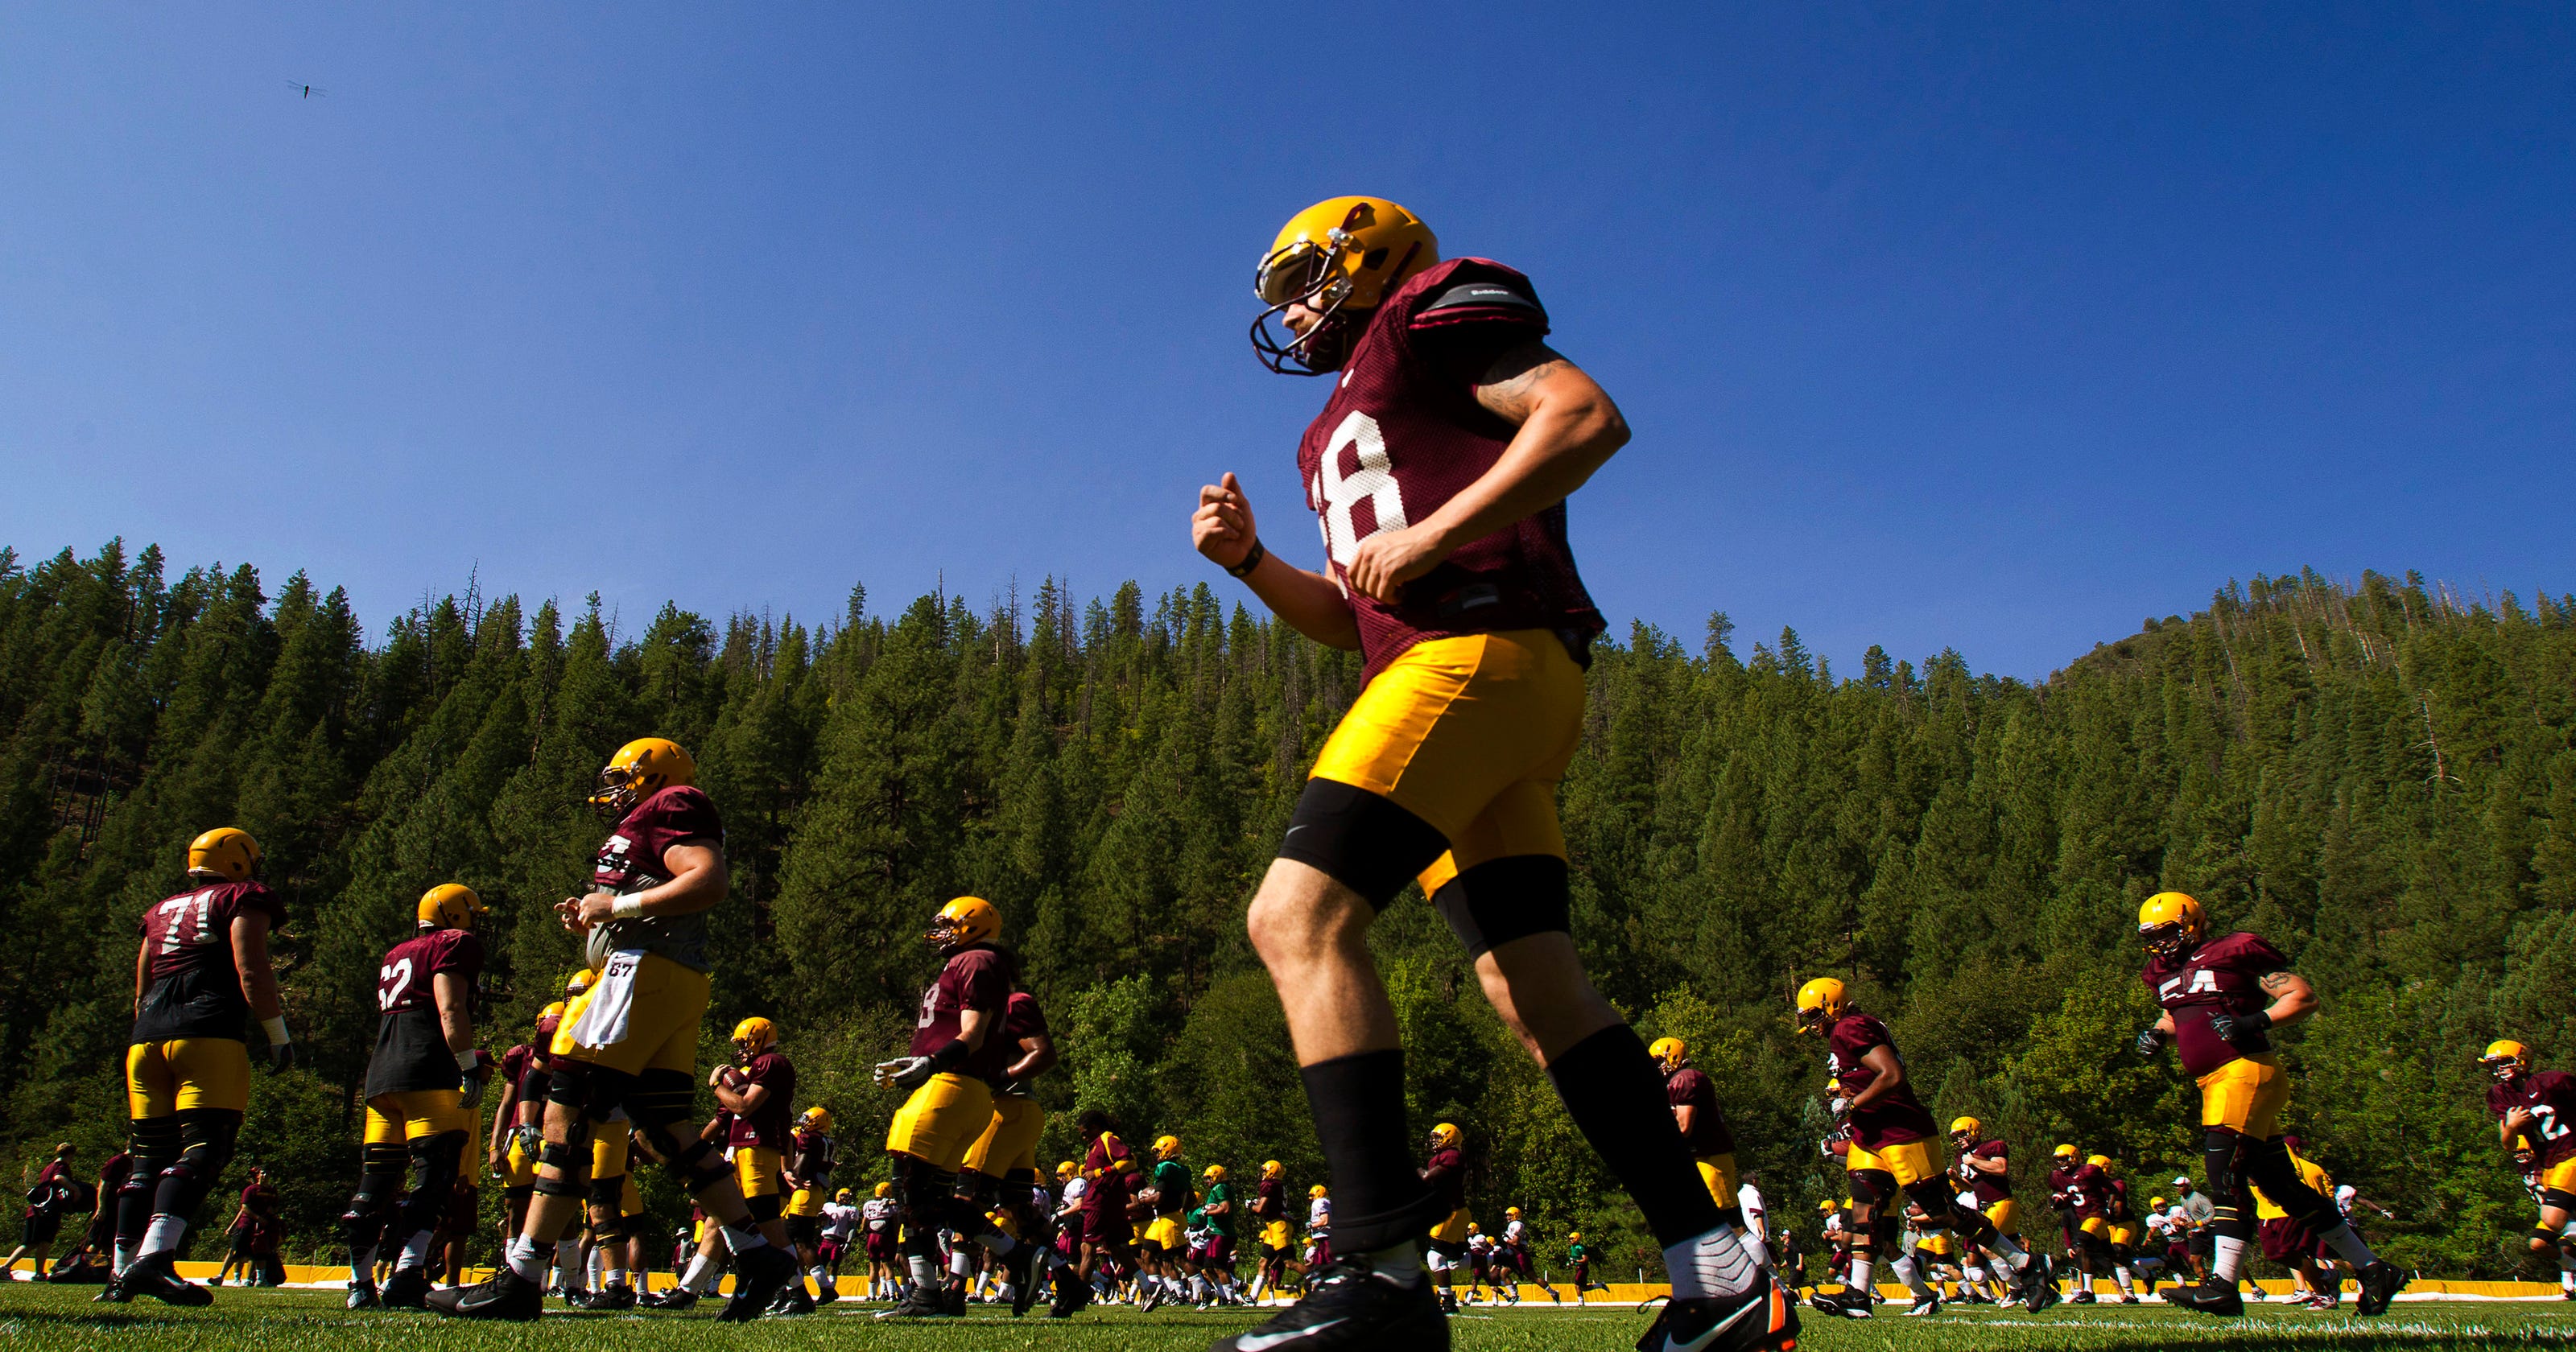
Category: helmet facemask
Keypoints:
(2168, 941)
(2503, 1069)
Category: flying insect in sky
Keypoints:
(308, 90)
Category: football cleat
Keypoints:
(406, 1288)
(1763, 1319)
(676, 1299)
(1924, 1305)
(614, 1296)
(1027, 1266)
(919, 1302)
(1846, 1303)
(2380, 1282)
(1349, 1306)
(2038, 1284)
(364, 1297)
(2209, 1297)
(2083, 1297)
(155, 1277)
(757, 1276)
(1151, 1299)
(507, 1296)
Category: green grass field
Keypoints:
(33, 1317)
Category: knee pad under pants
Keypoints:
(928, 1195)
(206, 1138)
(1884, 1230)
(155, 1147)
(435, 1163)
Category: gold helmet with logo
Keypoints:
(1337, 259)
(640, 769)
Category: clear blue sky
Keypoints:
(1990, 327)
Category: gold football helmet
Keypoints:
(1167, 1147)
(1273, 1169)
(1446, 1136)
(450, 906)
(1966, 1126)
(1820, 1002)
(2506, 1060)
(2171, 924)
(753, 1036)
(818, 1118)
(1337, 258)
(227, 852)
(1669, 1053)
(640, 769)
(967, 920)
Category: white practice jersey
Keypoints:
(1515, 1234)
(1748, 1199)
(879, 1213)
(1319, 1214)
(840, 1220)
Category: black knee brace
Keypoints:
(596, 1091)
(764, 1207)
(435, 1163)
(380, 1177)
(2267, 1165)
(2232, 1200)
(570, 1161)
(608, 1192)
(1885, 1230)
(698, 1166)
(154, 1147)
(2544, 1239)
(206, 1139)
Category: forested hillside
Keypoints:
(2380, 778)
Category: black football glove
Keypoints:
(470, 1081)
(2231, 1027)
(281, 1057)
(2151, 1042)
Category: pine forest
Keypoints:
(2380, 776)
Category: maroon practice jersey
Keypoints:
(1709, 1134)
(768, 1124)
(2061, 1188)
(978, 977)
(1893, 1120)
(1403, 434)
(2090, 1188)
(1021, 1019)
(193, 987)
(632, 860)
(2221, 975)
(2551, 1097)
(1991, 1188)
(1111, 1167)
(2115, 1202)
(1446, 1172)
(1270, 1199)
(411, 1049)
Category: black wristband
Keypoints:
(1251, 559)
(951, 1056)
(2255, 1022)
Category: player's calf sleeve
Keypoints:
(154, 1144)
(206, 1139)
(1358, 1104)
(1615, 1094)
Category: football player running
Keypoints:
(2536, 1110)
(1001, 1168)
(1693, 1096)
(958, 1050)
(1158, 1255)
(808, 1171)
(1438, 470)
(1270, 1212)
(1446, 1172)
(201, 973)
(634, 1044)
(755, 1091)
(423, 1084)
(2220, 996)
(1985, 1166)
(1893, 1152)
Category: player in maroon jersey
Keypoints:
(2220, 996)
(1109, 1175)
(1894, 1149)
(1001, 1167)
(2536, 1111)
(1438, 472)
(423, 1084)
(758, 1089)
(1693, 1096)
(958, 1050)
(517, 1121)
(201, 974)
(1446, 1172)
(1984, 1167)
(634, 1044)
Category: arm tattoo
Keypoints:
(1506, 386)
(2273, 983)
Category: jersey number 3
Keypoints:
(1334, 494)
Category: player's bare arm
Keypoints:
(250, 958)
(1037, 1057)
(741, 1102)
(698, 883)
(974, 1025)
(455, 1004)
(1683, 1115)
(2293, 998)
(1222, 531)
(1891, 1073)
(1569, 428)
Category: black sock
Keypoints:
(1615, 1095)
(1378, 1199)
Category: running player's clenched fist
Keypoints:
(1222, 528)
